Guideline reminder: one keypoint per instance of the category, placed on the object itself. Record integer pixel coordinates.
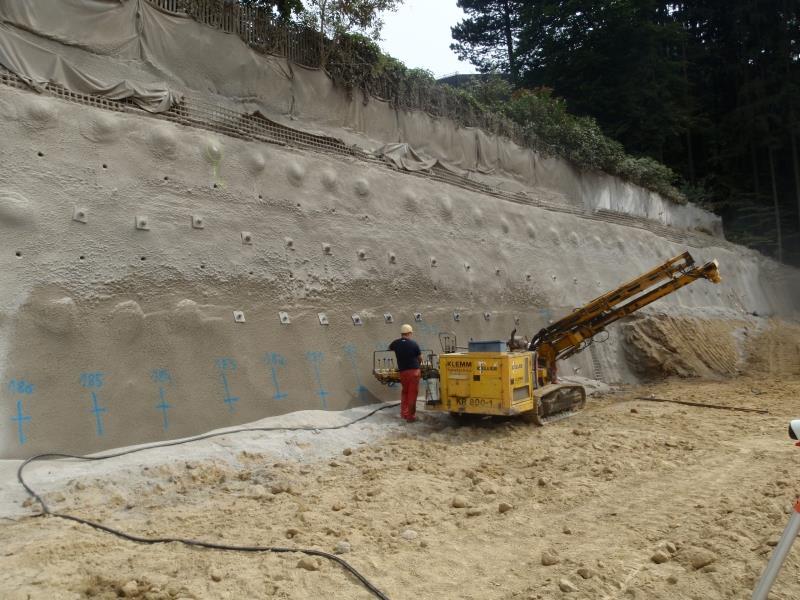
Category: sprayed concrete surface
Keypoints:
(628, 499)
(145, 264)
(130, 242)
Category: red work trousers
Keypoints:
(409, 379)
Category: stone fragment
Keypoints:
(130, 589)
(347, 451)
(488, 488)
(542, 482)
(585, 573)
(567, 530)
(215, 575)
(659, 557)
(337, 507)
(673, 579)
(565, 585)
(342, 547)
(308, 563)
(458, 502)
(700, 557)
(409, 534)
(504, 507)
(474, 512)
(671, 548)
(550, 557)
(634, 411)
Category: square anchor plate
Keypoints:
(198, 222)
(79, 214)
(142, 223)
(456, 315)
(284, 317)
(247, 238)
(487, 316)
(418, 317)
(323, 318)
(388, 318)
(357, 320)
(238, 316)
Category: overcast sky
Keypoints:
(419, 35)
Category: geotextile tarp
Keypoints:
(203, 59)
(128, 48)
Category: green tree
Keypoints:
(616, 60)
(283, 9)
(488, 36)
(333, 19)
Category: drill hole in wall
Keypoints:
(105, 166)
(40, 154)
(215, 186)
(202, 266)
(143, 258)
(260, 197)
(166, 177)
(18, 254)
(81, 257)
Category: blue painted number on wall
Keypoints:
(20, 386)
(92, 380)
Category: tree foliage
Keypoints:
(282, 9)
(710, 89)
(335, 18)
(488, 36)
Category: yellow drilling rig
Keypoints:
(519, 377)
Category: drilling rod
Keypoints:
(565, 337)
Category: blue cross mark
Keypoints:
(21, 418)
(164, 406)
(228, 399)
(98, 412)
(276, 360)
(316, 358)
(352, 353)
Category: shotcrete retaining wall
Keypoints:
(129, 243)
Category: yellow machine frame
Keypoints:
(489, 383)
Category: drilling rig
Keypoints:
(520, 377)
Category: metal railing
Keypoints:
(263, 32)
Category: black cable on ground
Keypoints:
(189, 542)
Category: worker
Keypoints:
(409, 357)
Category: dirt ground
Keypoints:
(628, 499)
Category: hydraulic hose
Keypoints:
(190, 542)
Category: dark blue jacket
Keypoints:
(407, 352)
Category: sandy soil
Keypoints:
(628, 499)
